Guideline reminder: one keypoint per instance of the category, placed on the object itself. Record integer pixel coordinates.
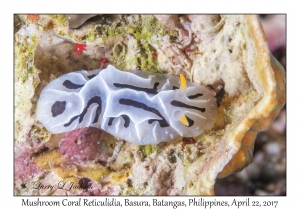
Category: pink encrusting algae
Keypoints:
(25, 166)
(83, 145)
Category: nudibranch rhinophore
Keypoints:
(136, 106)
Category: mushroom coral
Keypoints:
(228, 54)
(270, 76)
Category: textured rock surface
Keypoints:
(228, 54)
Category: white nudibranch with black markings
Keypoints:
(139, 107)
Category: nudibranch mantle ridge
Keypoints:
(139, 107)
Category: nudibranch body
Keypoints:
(138, 107)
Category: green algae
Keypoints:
(62, 19)
(24, 59)
(39, 134)
(148, 59)
(142, 27)
(146, 150)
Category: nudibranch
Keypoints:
(136, 106)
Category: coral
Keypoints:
(227, 54)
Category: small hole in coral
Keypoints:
(119, 50)
(129, 182)
(85, 183)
